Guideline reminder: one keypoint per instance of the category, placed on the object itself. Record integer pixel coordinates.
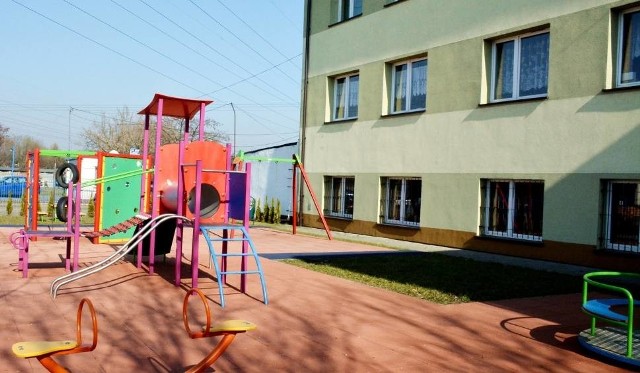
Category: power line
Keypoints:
(107, 47)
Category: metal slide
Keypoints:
(115, 257)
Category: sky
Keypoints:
(66, 64)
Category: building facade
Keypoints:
(503, 126)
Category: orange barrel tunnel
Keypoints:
(213, 189)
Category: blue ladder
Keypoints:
(221, 268)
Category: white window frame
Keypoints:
(341, 213)
(407, 106)
(619, 61)
(510, 214)
(608, 205)
(403, 202)
(516, 67)
(347, 97)
(352, 7)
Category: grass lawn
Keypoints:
(442, 279)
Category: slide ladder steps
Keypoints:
(219, 258)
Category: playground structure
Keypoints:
(193, 184)
(297, 167)
(620, 342)
(111, 181)
(44, 351)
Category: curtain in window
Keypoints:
(418, 85)
(624, 220)
(348, 194)
(503, 70)
(400, 88)
(336, 196)
(413, 191)
(354, 87)
(394, 200)
(630, 69)
(534, 65)
(340, 97)
(498, 206)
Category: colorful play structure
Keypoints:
(44, 351)
(192, 183)
(616, 339)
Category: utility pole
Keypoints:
(234, 128)
(69, 148)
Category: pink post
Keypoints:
(76, 225)
(245, 223)
(180, 211)
(145, 156)
(201, 126)
(196, 226)
(156, 181)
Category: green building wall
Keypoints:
(582, 133)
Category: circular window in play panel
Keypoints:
(209, 200)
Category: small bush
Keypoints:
(258, 212)
(50, 206)
(10, 205)
(23, 204)
(91, 208)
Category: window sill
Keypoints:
(398, 225)
(622, 89)
(337, 217)
(404, 113)
(522, 241)
(344, 20)
(516, 101)
(337, 121)
(393, 3)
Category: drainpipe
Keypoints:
(305, 79)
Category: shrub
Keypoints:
(10, 205)
(51, 209)
(91, 208)
(265, 210)
(258, 212)
(23, 204)
(278, 212)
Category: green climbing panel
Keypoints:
(120, 198)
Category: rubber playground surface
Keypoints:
(313, 322)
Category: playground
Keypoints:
(176, 225)
(313, 322)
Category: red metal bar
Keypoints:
(313, 197)
(196, 226)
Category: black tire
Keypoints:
(61, 209)
(61, 171)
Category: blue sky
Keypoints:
(68, 62)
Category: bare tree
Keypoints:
(126, 131)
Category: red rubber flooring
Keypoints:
(313, 322)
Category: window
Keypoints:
(512, 209)
(401, 199)
(345, 97)
(409, 86)
(621, 216)
(338, 196)
(629, 48)
(349, 9)
(520, 67)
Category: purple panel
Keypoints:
(237, 193)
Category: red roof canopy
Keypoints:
(177, 107)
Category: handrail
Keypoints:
(589, 280)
